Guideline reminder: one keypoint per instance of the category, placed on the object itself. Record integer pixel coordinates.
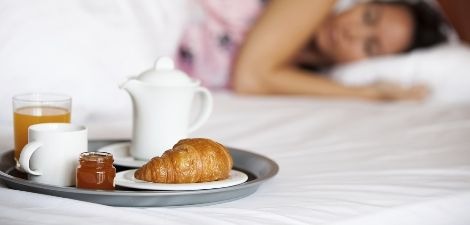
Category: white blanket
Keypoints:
(340, 163)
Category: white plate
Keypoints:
(126, 179)
(121, 155)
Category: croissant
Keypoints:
(189, 161)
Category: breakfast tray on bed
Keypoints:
(258, 168)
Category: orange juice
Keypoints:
(27, 116)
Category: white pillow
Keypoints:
(84, 48)
(445, 69)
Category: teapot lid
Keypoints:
(164, 73)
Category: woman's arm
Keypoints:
(265, 62)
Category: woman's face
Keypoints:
(366, 30)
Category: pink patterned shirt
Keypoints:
(211, 40)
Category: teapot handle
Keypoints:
(206, 109)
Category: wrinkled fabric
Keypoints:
(341, 162)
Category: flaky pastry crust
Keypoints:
(192, 160)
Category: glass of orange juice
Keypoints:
(34, 108)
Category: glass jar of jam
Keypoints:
(96, 171)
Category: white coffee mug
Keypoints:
(52, 153)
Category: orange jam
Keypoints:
(96, 171)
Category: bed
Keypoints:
(342, 162)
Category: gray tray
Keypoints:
(259, 169)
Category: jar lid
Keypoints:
(164, 73)
(97, 157)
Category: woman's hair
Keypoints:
(429, 23)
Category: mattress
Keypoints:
(341, 162)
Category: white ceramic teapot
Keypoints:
(162, 101)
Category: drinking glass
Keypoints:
(34, 108)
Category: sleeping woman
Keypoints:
(281, 47)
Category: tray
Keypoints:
(258, 168)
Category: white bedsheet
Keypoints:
(341, 162)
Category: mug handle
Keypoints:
(25, 156)
(206, 105)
